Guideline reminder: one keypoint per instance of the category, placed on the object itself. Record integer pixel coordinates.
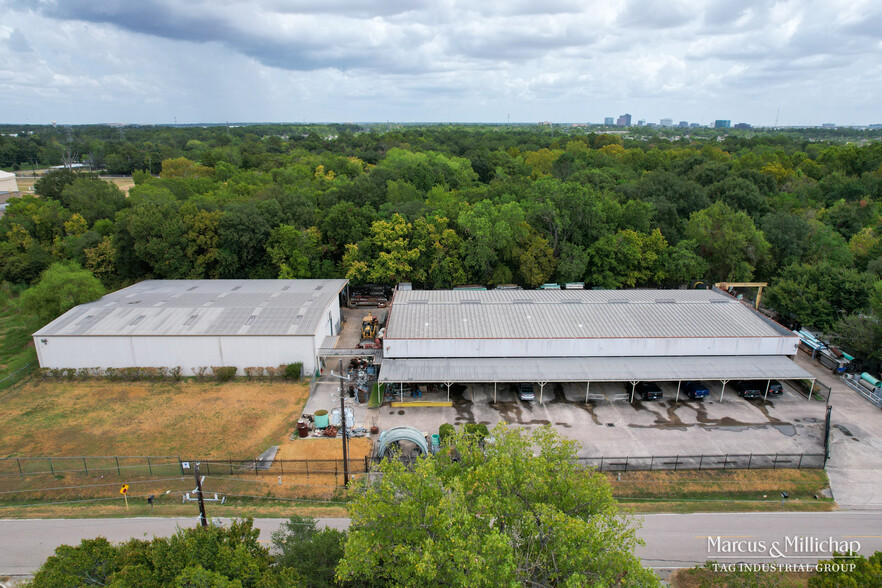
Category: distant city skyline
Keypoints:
(159, 61)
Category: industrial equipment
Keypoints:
(369, 325)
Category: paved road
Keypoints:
(672, 541)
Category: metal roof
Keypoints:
(202, 307)
(591, 369)
(573, 314)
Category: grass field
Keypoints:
(722, 490)
(25, 184)
(236, 420)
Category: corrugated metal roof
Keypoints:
(202, 307)
(593, 369)
(573, 314)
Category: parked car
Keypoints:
(776, 387)
(525, 392)
(649, 391)
(748, 388)
(695, 390)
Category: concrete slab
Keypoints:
(785, 424)
(855, 465)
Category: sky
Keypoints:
(802, 62)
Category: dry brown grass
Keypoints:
(235, 420)
(312, 448)
(704, 578)
(25, 184)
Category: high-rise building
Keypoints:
(742, 126)
(684, 124)
(666, 122)
(694, 125)
(641, 122)
(624, 120)
(609, 121)
(722, 124)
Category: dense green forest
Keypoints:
(447, 205)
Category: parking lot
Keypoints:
(611, 426)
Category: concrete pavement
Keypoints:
(672, 540)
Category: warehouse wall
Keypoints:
(416, 348)
(187, 352)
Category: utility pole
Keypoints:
(345, 440)
(202, 518)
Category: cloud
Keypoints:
(576, 60)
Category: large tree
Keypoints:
(518, 511)
(61, 287)
(729, 241)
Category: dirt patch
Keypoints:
(311, 448)
(236, 420)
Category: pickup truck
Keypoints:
(649, 391)
(695, 390)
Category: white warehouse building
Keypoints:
(197, 323)
(543, 336)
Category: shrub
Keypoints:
(200, 371)
(253, 372)
(224, 373)
(292, 371)
(479, 430)
(175, 373)
(444, 431)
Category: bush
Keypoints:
(175, 373)
(292, 371)
(224, 373)
(478, 430)
(444, 431)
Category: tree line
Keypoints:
(444, 206)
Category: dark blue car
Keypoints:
(695, 390)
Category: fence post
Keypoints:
(282, 466)
(255, 468)
(366, 466)
(799, 465)
(601, 463)
(335, 473)
(726, 462)
(85, 467)
(181, 465)
(749, 461)
(307, 468)
(775, 465)
(149, 467)
(18, 461)
(118, 473)
(651, 462)
(51, 469)
(231, 465)
(700, 462)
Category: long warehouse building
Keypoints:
(197, 323)
(542, 336)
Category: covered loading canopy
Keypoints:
(590, 369)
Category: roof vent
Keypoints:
(85, 318)
(236, 287)
(135, 302)
(417, 301)
(286, 287)
(522, 301)
(665, 301)
(617, 301)
(470, 301)
(191, 288)
(570, 301)
(319, 287)
(297, 319)
(250, 319)
(137, 320)
(190, 320)
(719, 301)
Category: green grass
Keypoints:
(16, 327)
(721, 490)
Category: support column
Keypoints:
(448, 384)
(723, 391)
(494, 392)
(587, 389)
(811, 390)
(768, 385)
(401, 391)
(541, 390)
(677, 398)
(633, 388)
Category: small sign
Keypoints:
(124, 489)
(185, 465)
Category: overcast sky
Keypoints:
(157, 61)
